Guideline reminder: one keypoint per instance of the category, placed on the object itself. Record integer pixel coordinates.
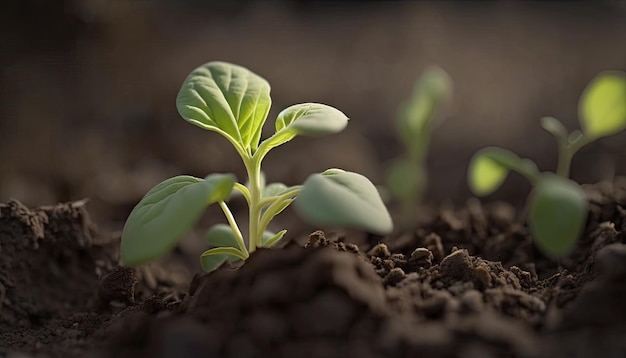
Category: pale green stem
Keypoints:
(244, 191)
(566, 153)
(233, 226)
(253, 167)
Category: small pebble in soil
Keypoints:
(317, 239)
(421, 257)
(118, 286)
(394, 277)
(483, 275)
(399, 259)
(433, 243)
(421, 253)
(456, 266)
(380, 250)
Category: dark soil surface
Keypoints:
(467, 283)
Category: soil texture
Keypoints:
(467, 283)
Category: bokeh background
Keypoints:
(88, 89)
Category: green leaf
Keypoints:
(342, 198)
(167, 212)
(555, 127)
(220, 96)
(274, 189)
(602, 106)
(404, 180)
(269, 238)
(417, 114)
(490, 166)
(308, 119)
(221, 235)
(558, 212)
(213, 258)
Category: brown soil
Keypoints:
(467, 283)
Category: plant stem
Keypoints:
(253, 167)
(566, 153)
(233, 226)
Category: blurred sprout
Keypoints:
(557, 205)
(407, 175)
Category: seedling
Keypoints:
(407, 176)
(557, 205)
(234, 102)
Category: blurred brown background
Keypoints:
(88, 88)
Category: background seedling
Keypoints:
(407, 175)
(557, 205)
(234, 102)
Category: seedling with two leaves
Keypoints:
(557, 205)
(234, 102)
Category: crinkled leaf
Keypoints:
(168, 211)
(269, 238)
(602, 106)
(342, 198)
(220, 95)
(308, 119)
(490, 166)
(557, 216)
(214, 258)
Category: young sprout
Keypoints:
(234, 102)
(557, 205)
(407, 175)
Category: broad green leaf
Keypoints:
(168, 211)
(417, 114)
(490, 166)
(602, 106)
(269, 238)
(557, 216)
(274, 189)
(342, 198)
(404, 179)
(308, 119)
(213, 258)
(220, 96)
(221, 235)
(554, 127)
